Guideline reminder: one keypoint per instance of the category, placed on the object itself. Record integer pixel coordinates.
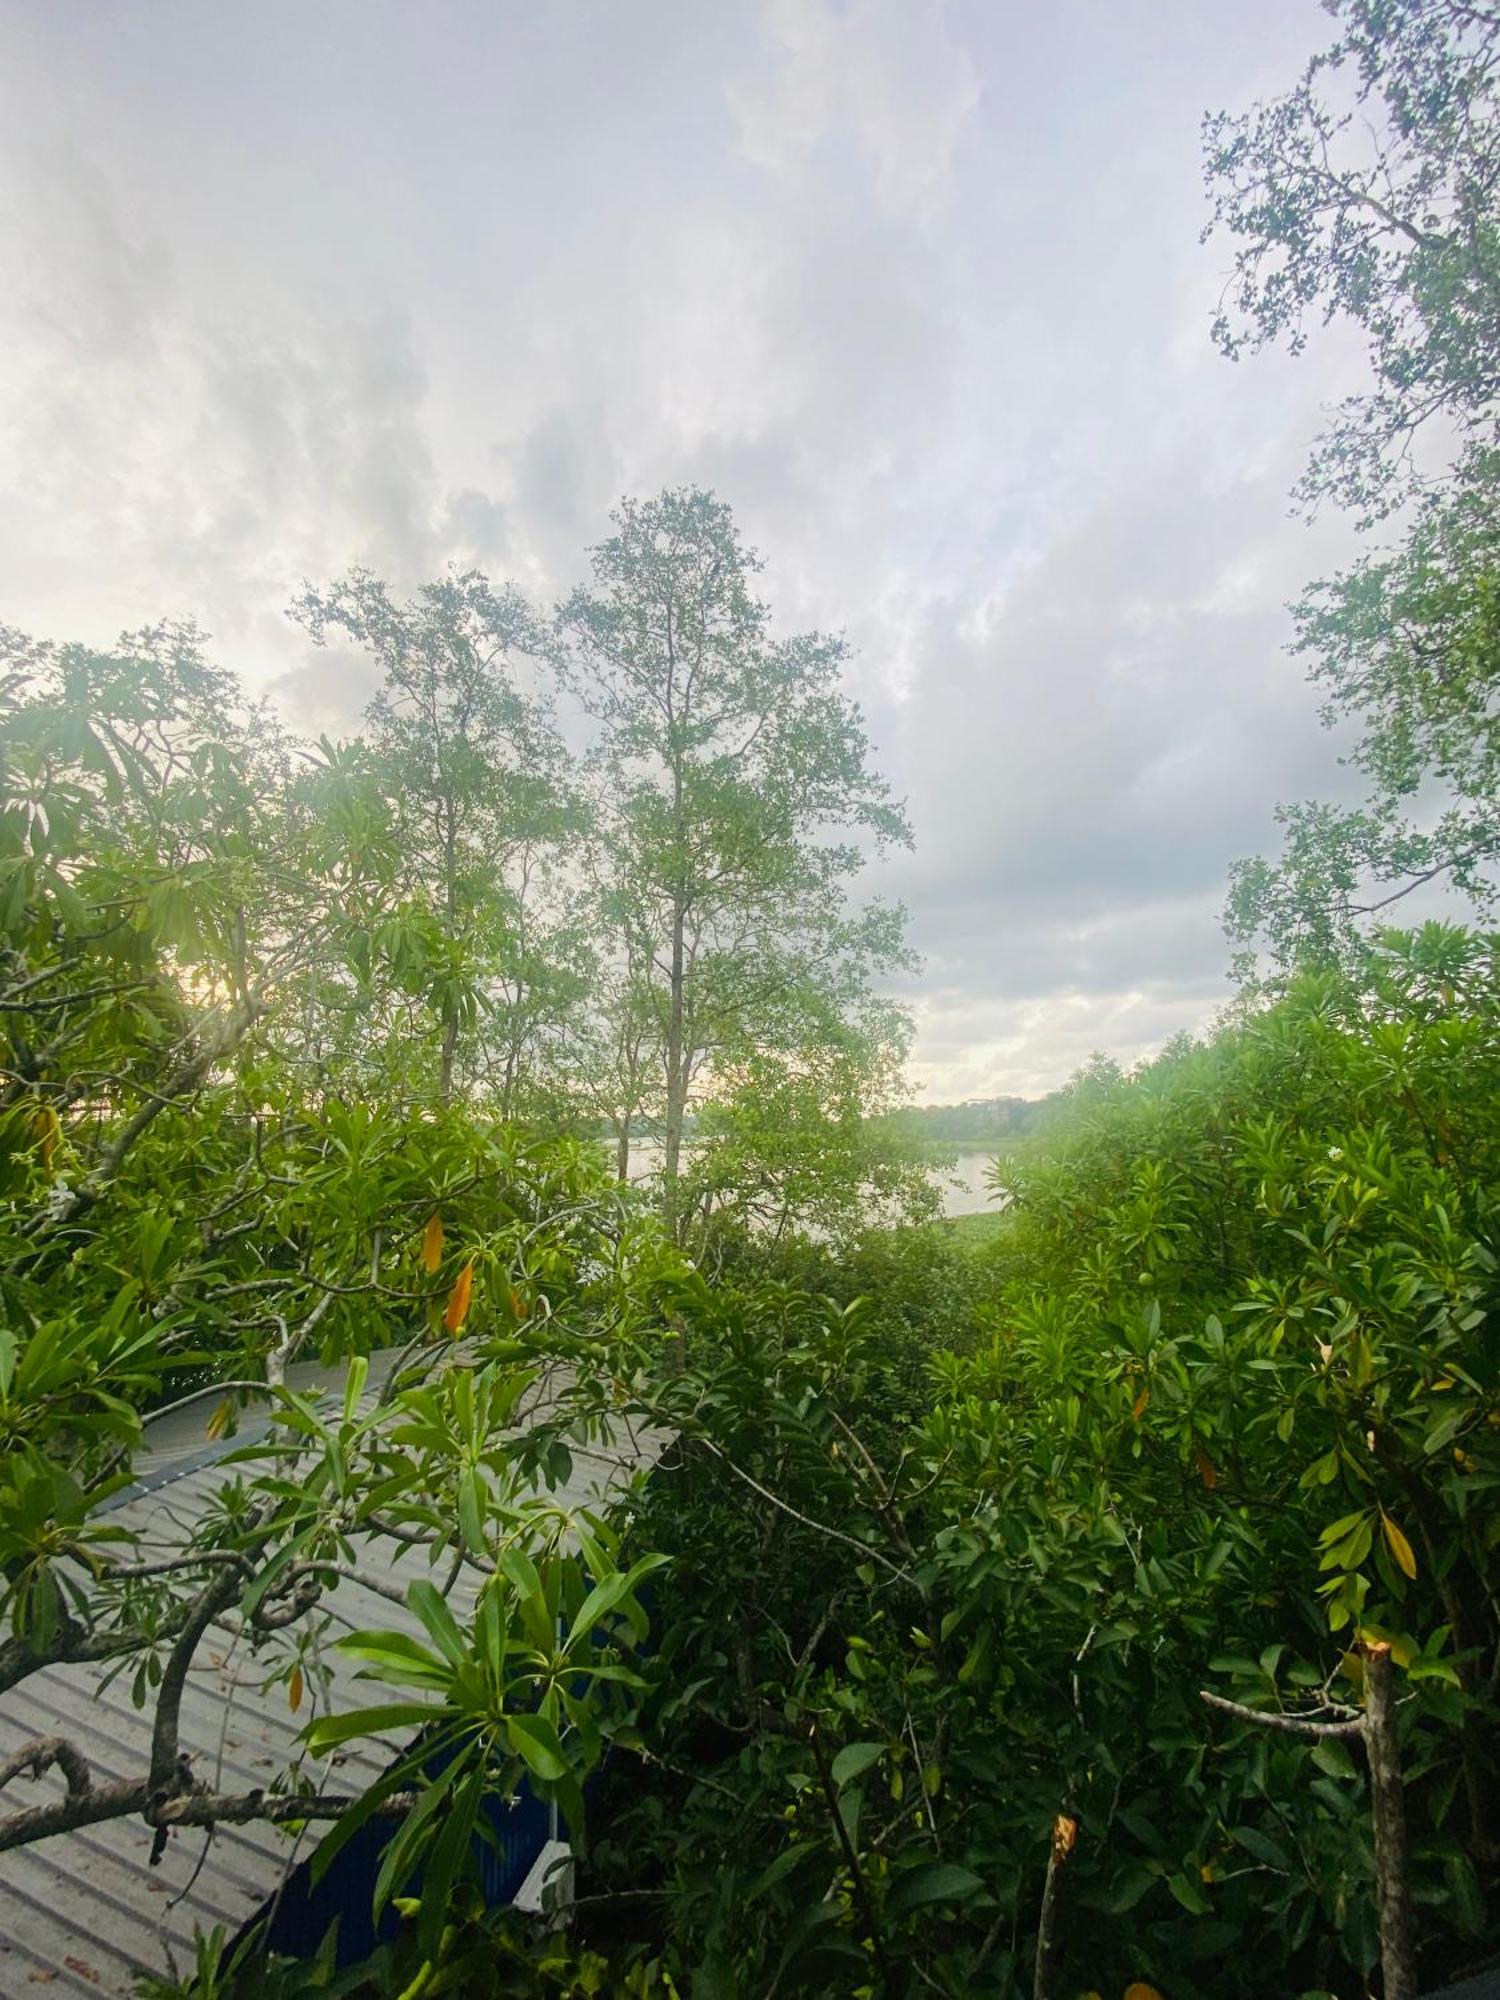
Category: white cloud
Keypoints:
(916, 287)
(887, 71)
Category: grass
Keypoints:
(972, 1232)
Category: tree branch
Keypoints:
(1291, 1725)
(41, 1754)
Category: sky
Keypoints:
(916, 287)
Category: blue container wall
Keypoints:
(297, 1919)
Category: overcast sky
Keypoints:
(291, 284)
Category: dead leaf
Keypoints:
(294, 1690)
(432, 1243)
(1208, 1472)
(46, 1128)
(457, 1309)
(84, 1970)
(1138, 1408)
(1400, 1547)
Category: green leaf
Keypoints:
(329, 1731)
(450, 1851)
(405, 1844)
(1332, 1757)
(1130, 1888)
(931, 1882)
(442, 1627)
(1265, 1850)
(777, 1869)
(609, 1594)
(471, 1512)
(520, 1572)
(354, 1385)
(398, 1657)
(854, 1758)
(1189, 1894)
(533, 1738)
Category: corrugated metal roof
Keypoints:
(84, 1913)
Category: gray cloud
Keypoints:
(917, 288)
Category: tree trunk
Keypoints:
(450, 904)
(676, 1074)
(1047, 1981)
(445, 1059)
(1398, 1960)
(622, 1150)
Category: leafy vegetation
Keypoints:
(1100, 1595)
(1367, 194)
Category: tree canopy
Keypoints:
(1368, 194)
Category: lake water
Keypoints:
(962, 1185)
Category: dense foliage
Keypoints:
(1218, 1399)
(1109, 1605)
(288, 1073)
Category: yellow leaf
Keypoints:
(46, 1128)
(218, 1423)
(457, 1308)
(1400, 1547)
(1139, 1990)
(294, 1690)
(432, 1244)
(1138, 1408)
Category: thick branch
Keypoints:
(1293, 1725)
(124, 1798)
(1398, 1960)
(236, 1809)
(119, 1799)
(1046, 1983)
(59, 1000)
(41, 1754)
(72, 1646)
(213, 1599)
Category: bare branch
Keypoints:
(819, 1527)
(1291, 1725)
(41, 1754)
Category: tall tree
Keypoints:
(737, 796)
(185, 1210)
(476, 780)
(1369, 193)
